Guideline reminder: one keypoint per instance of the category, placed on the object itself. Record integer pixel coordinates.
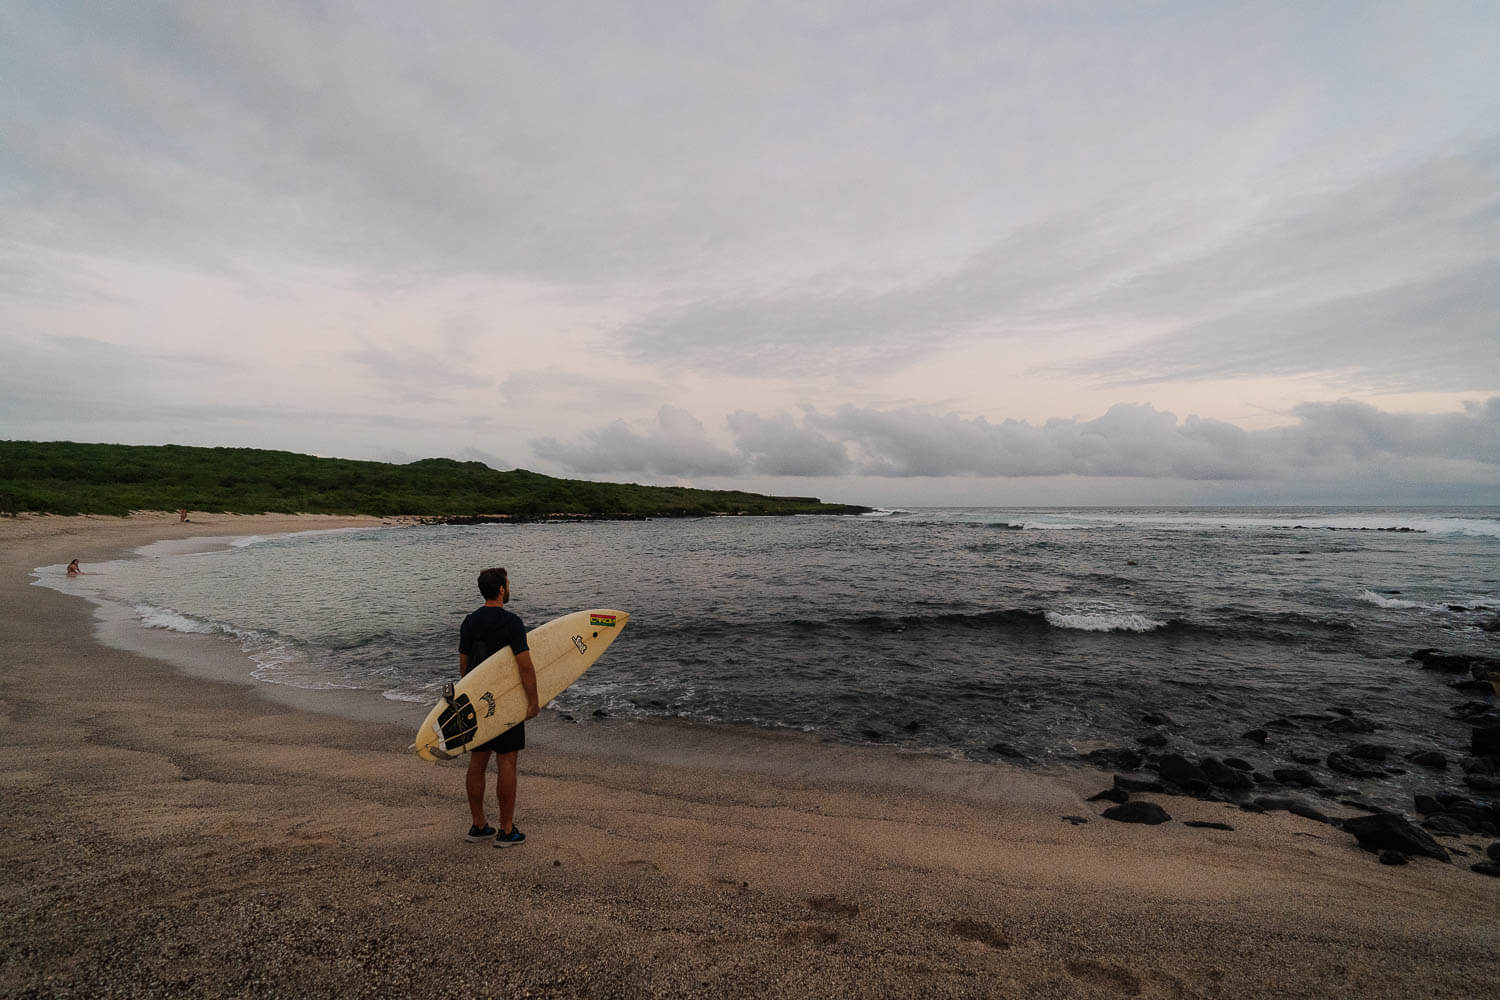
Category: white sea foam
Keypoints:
(172, 621)
(407, 697)
(1395, 522)
(271, 675)
(1102, 621)
(1389, 603)
(275, 660)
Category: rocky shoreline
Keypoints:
(1463, 818)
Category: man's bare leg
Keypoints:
(505, 788)
(479, 762)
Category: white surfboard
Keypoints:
(489, 699)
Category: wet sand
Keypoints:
(167, 835)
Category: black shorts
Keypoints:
(510, 741)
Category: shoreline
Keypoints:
(659, 742)
(151, 809)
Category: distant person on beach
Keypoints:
(74, 569)
(182, 515)
(487, 630)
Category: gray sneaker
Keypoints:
(510, 839)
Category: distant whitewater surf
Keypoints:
(1103, 621)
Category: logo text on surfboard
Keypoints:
(607, 621)
(582, 646)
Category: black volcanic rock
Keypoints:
(1427, 804)
(1434, 759)
(1006, 750)
(1295, 776)
(1111, 795)
(1352, 724)
(1138, 784)
(1204, 825)
(1436, 659)
(1176, 769)
(1393, 858)
(1137, 812)
(1345, 764)
(1447, 825)
(1282, 803)
(1485, 740)
(1370, 751)
(1490, 868)
(1475, 711)
(1452, 801)
(1221, 775)
(1480, 765)
(1256, 736)
(1118, 759)
(1386, 831)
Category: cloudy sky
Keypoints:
(883, 252)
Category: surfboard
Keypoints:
(489, 699)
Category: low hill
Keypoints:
(62, 477)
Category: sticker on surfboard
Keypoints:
(603, 621)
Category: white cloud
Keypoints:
(1329, 442)
(675, 446)
(780, 446)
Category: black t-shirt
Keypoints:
(487, 630)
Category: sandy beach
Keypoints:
(167, 835)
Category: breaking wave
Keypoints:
(1103, 621)
(174, 621)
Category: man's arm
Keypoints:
(463, 664)
(528, 681)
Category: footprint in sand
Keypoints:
(1122, 981)
(978, 930)
(809, 934)
(833, 905)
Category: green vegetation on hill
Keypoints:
(61, 477)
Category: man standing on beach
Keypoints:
(487, 630)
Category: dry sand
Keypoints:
(170, 836)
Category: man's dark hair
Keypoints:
(490, 582)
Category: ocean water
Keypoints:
(966, 632)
